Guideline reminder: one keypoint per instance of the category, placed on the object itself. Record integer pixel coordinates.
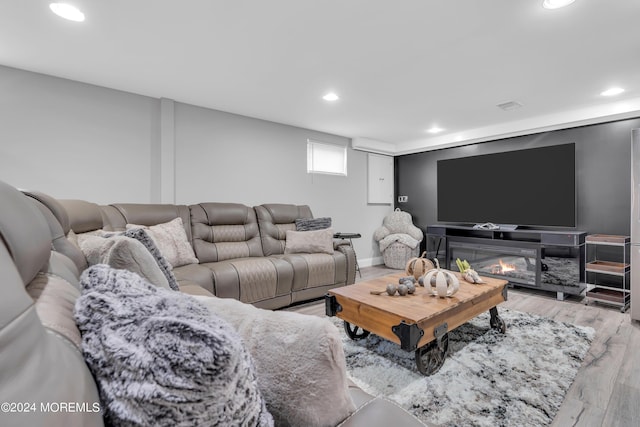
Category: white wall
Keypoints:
(73, 140)
(230, 158)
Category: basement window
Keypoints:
(326, 158)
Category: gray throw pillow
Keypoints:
(161, 358)
(309, 242)
(307, 224)
(140, 235)
(122, 252)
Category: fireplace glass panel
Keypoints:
(561, 265)
(516, 264)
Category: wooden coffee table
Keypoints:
(418, 322)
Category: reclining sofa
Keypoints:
(44, 379)
(240, 250)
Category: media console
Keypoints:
(548, 260)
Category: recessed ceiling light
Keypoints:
(67, 11)
(612, 91)
(331, 97)
(510, 105)
(435, 129)
(556, 4)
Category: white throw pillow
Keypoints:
(171, 240)
(310, 242)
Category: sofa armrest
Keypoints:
(378, 412)
(375, 411)
(350, 254)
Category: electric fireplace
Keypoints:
(548, 260)
(517, 264)
(521, 263)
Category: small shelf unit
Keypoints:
(608, 280)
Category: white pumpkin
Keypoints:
(441, 282)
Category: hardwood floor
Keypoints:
(606, 390)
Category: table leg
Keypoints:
(356, 255)
(496, 321)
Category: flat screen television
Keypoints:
(531, 187)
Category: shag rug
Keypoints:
(488, 379)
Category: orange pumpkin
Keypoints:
(417, 266)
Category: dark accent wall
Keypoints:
(603, 168)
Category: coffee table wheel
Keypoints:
(355, 332)
(430, 358)
(496, 321)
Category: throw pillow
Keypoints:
(308, 224)
(140, 235)
(311, 242)
(161, 358)
(122, 252)
(299, 361)
(172, 241)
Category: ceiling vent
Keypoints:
(510, 105)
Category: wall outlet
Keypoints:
(403, 199)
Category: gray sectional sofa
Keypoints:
(240, 249)
(46, 378)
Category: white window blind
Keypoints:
(326, 158)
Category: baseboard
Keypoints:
(370, 262)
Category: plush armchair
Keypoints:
(398, 238)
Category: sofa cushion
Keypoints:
(319, 269)
(171, 240)
(299, 361)
(224, 231)
(122, 252)
(162, 358)
(311, 242)
(274, 220)
(253, 279)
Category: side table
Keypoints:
(350, 237)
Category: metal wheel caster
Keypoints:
(430, 358)
(355, 332)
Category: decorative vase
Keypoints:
(418, 266)
(441, 282)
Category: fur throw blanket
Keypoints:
(161, 358)
(299, 360)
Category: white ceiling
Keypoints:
(399, 66)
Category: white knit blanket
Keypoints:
(400, 238)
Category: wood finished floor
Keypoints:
(606, 390)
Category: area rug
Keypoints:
(489, 379)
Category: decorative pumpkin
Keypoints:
(441, 282)
(416, 267)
